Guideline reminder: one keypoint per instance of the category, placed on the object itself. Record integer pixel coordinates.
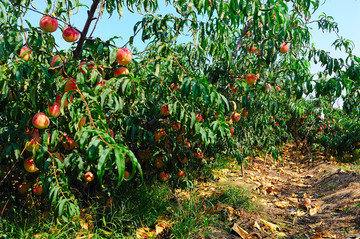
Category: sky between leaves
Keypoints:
(345, 13)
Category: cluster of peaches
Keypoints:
(41, 120)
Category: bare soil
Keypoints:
(280, 190)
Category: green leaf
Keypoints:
(120, 164)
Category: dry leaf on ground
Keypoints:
(240, 231)
(271, 226)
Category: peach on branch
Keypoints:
(121, 71)
(70, 144)
(70, 34)
(87, 66)
(40, 121)
(176, 126)
(159, 134)
(251, 78)
(54, 110)
(181, 175)
(58, 100)
(38, 190)
(235, 116)
(284, 47)
(199, 117)
(56, 61)
(163, 176)
(245, 112)
(252, 49)
(30, 166)
(123, 56)
(70, 85)
(48, 24)
(126, 174)
(34, 143)
(24, 187)
(164, 110)
(88, 177)
(25, 53)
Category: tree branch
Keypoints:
(90, 18)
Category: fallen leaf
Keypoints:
(282, 204)
(315, 225)
(314, 210)
(271, 226)
(257, 226)
(271, 191)
(145, 233)
(241, 232)
(321, 234)
(278, 235)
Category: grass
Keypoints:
(131, 209)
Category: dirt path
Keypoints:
(280, 191)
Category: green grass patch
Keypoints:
(131, 209)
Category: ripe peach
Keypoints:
(87, 66)
(88, 177)
(176, 126)
(70, 34)
(163, 176)
(25, 53)
(164, 110)
(70, 85)
(33, 144)
(23, 188)
(126, 174)
(123, 56)
(159, 134)
(70, 144)
(30, 166)
(284, 47)
(40, 121)
(121, 71)
(54, 110)
(48, 24)
(38, 190)
(251, 79)
(181, 175)
(252, 49)
(199, 117)
(58, 100)
(235, 116)
(56, 61)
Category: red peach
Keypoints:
(48, 24)
(123, 56)
(70, 34)
(40, 121)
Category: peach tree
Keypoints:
(223, 77)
